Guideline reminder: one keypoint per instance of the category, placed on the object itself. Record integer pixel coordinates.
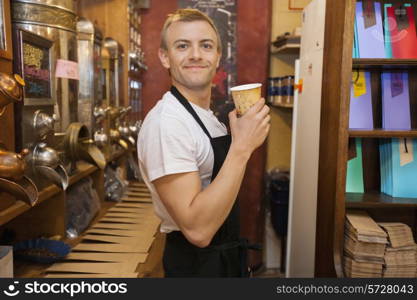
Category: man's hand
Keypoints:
(250, 130)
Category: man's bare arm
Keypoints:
(200, 213)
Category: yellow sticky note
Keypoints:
(359, 84)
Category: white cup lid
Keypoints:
(246, 87)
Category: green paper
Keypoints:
(354, 176)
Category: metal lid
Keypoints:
(87, 27)
(51, 13)
(68, 5)
(114, 48)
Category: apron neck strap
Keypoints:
(189, 108)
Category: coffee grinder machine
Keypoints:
(112, 62)
(34, 116)
(12, 165)
(54, 21)
(90, 93)
(46, 56)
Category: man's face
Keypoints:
(192, 54)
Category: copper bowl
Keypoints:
(11, 88)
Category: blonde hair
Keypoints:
(187, 15)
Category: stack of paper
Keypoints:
(398, 168)
(358, 269)
(400, 255)
(365, 244)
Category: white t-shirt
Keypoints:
(171, 141)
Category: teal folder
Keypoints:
(354, 176)
(404, 178)
(387, 37)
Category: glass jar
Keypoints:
(277, 90)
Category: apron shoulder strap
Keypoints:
(189, 108)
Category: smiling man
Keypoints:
(191, 165)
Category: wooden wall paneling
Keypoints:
(7, 118)
(337, 72)
(7, 53)
(6, 56)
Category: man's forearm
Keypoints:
(212, 205)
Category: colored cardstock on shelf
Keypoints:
(404, 179)
(403, 41)
(354, 177)
(395, 109)
(371, 39)
(360, 111)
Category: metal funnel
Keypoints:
(23, 189)
(58, 175)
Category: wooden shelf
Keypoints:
(377, 200)
(83, 170)
(382, 133)
(287, 49)
(19, 207)
(11, 212)
(383, 63)
(281, 105)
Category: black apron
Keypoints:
(226, 255)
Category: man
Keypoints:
(192, 167)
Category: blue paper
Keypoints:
(387, 37)
(395, 110)
(371, 40)
(360, 109)
(404, 179)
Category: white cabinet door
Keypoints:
(305, 147)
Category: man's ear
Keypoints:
(218, 61)
(163, 57)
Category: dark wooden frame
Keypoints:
(8, 52)
(333, 201)
(337, 70)
(34, 39)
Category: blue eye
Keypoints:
(207, 46)
(182, 46)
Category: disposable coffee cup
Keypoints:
(245, 96)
